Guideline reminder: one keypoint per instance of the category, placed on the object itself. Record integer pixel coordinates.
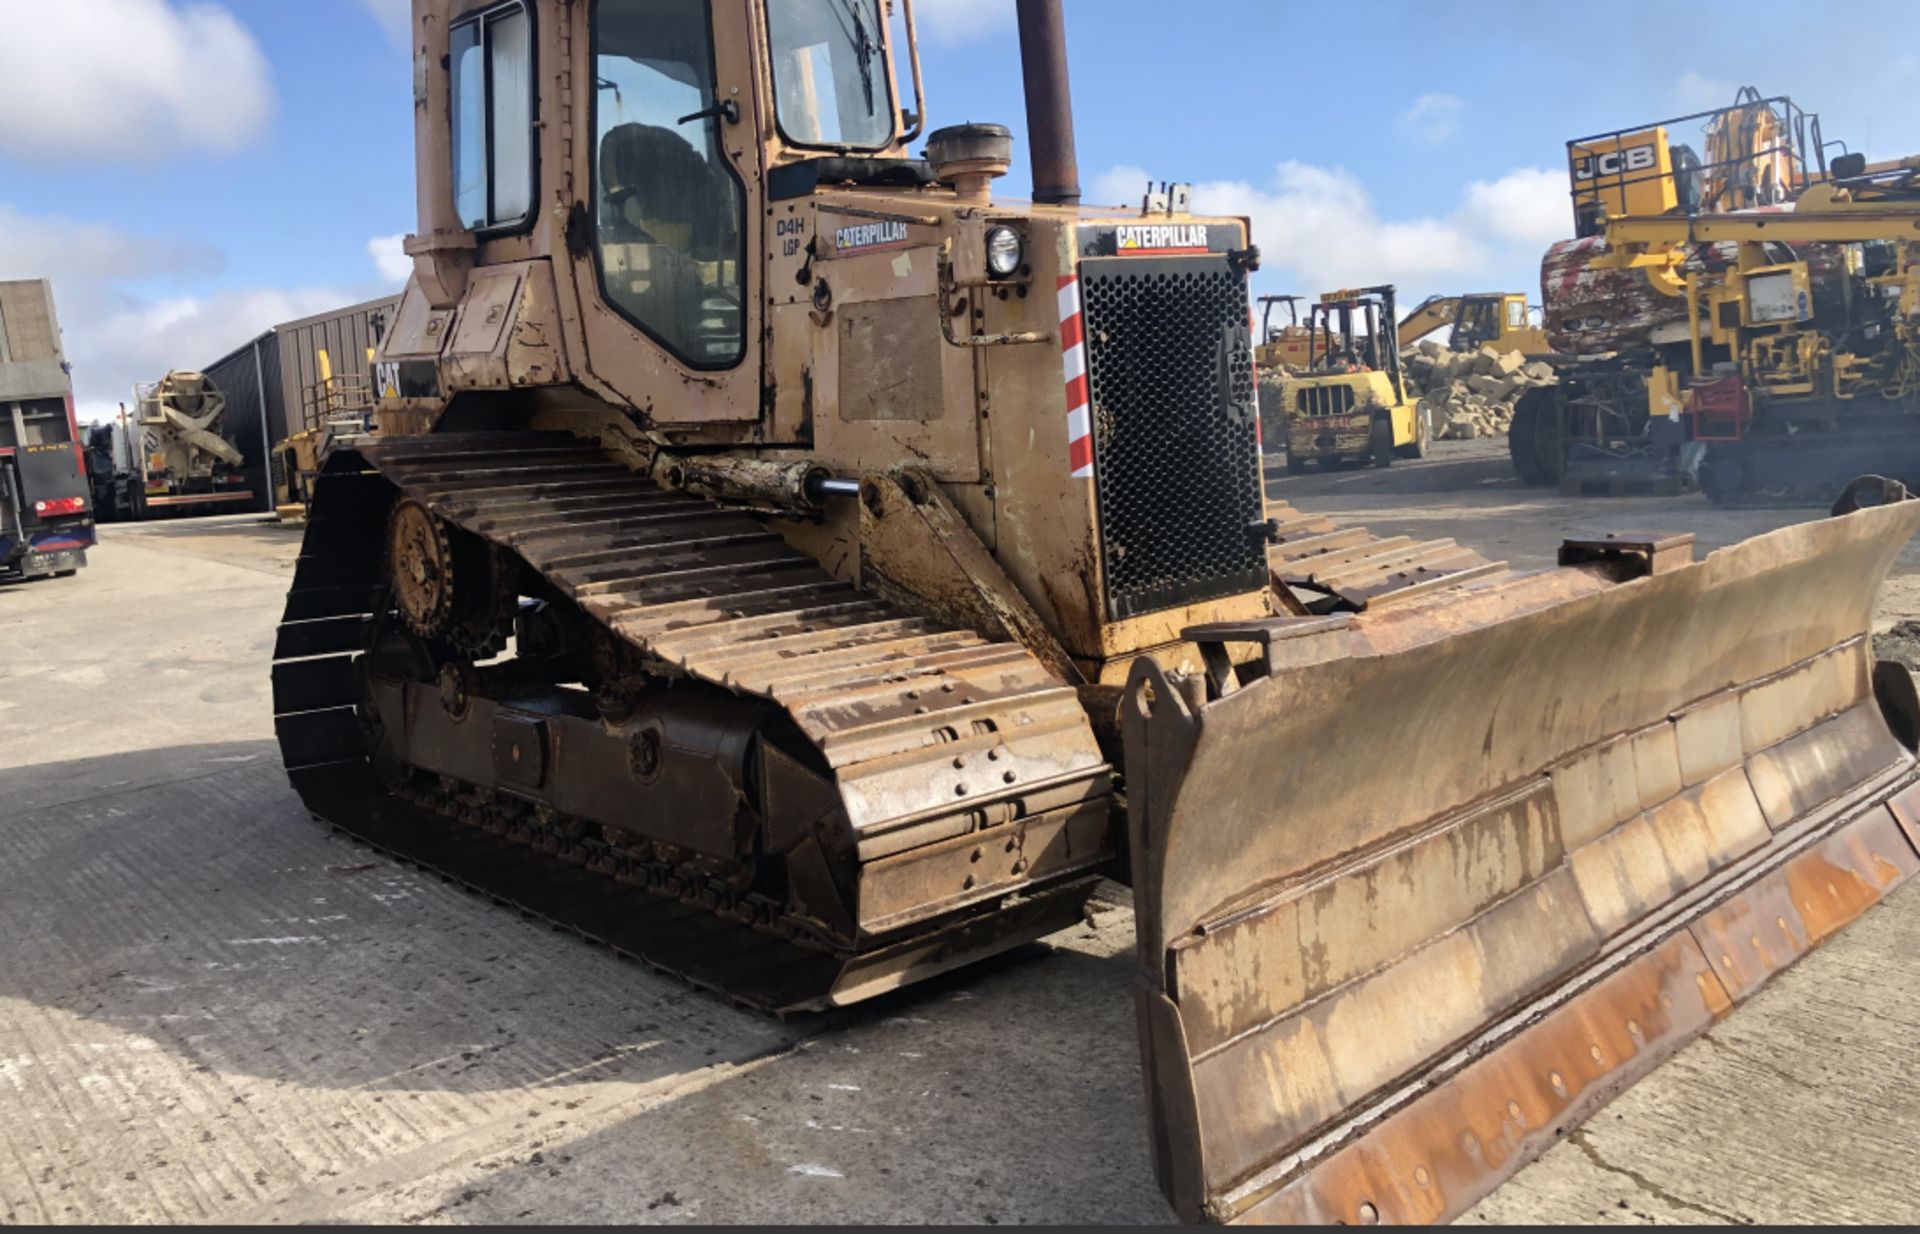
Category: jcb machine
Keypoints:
(1498, 319)
(1352, 404)
(1800, 363)
(780, 554)
(1607, 324)
(1791, 386)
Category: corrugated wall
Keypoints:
(346, 335)
(238, 375)
(263, 380)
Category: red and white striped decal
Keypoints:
(1073, 363)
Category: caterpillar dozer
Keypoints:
(787, 562)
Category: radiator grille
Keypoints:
(1324, 400)
(1176, 457)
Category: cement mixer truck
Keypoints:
(171, 456)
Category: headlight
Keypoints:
(1003, 251)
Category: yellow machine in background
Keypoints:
(1791, 385)
(1281, 347)
(334, 410)
(1499, 319)
(1755, 156)
(1353, 404)
(1597, 431)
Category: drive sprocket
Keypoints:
(448, 583)
(420, 569)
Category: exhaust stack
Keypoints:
(1043, 65)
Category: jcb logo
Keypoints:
(1613, 163)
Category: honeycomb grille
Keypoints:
(1176, 448)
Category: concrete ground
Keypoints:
(213, 1010)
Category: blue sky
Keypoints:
(192, 172)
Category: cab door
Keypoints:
(670, 192)
(1517, 332)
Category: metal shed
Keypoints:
(269, 379)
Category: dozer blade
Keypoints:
(1452, 874)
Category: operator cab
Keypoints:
(1347, 333)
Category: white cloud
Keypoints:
(1318, 229)
(1433, 118)
(390, 257)
(956, 21)
(394, 16)
(1528, 206)
(135, 79)
(114, 335)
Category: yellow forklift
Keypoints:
(1353, 405)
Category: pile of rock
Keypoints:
(1471, 393)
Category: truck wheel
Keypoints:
(1422, 434)
(1532, 443)
(1381, 446)
(1724, 479)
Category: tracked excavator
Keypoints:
(1499, 319)
(789, 562)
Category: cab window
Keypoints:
(491, 63)
(830, 82)
(669, 220)
(1516, 314)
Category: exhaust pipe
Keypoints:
(1043, 66)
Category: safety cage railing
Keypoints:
(1756, 152)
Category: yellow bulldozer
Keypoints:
(786, 560)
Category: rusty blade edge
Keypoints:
(1635, 948)
(1792, 840)
(1260, 897)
